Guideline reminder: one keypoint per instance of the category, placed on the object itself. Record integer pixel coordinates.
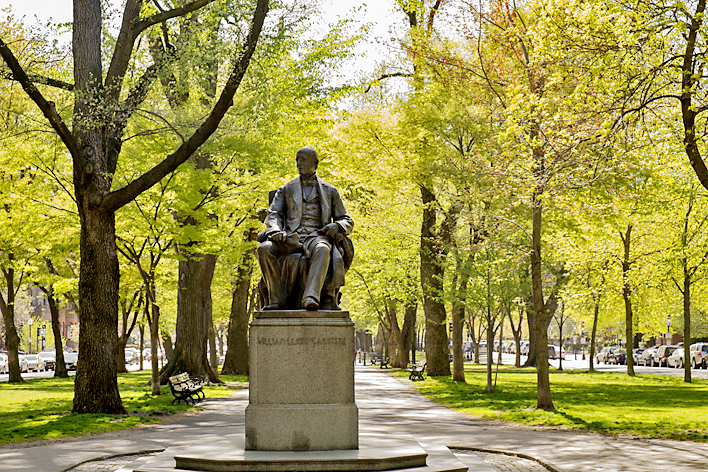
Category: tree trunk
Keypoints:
(193, 319)
(123, 338)
(490, 349)
(60, 366)
(236, 358)
(594, 334)
(476, 338)
(516, 331)
(141, 333)
(167, 345)
(154, 340)
(395, 337)
(560, 342)
(213, 355)
(686, 322)
(96, 384)
(431, 276)
(627, 296)
(12, 339)
(220, 336)
(543, 388)
(458, 323)
(406, 336)
(501, 339)
(533, 342)
(120, 357)
(380, 341)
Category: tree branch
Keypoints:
(46, 107)
(142, 25)
(138, 93)
(123, 50)
(120, 197)
(388, 76)
(431, 15)
(41, 79)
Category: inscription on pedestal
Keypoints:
(290, 341)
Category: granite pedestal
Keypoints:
(301, 385)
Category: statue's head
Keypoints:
(306, 160)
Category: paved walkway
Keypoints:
(386, 405)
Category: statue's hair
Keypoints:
(309, 150)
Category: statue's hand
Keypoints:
(278, 237)
(331, 230)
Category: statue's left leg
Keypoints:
(330, 299)
(319, 263)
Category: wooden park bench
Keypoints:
(416, 372)
(186, 388)
(379, 360)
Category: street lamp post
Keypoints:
(30, 335)
(668, 327)
(582, 338)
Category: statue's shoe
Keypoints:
(328, 304)
(309, 303)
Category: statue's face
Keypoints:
(306, 163)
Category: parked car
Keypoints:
(604, 354)
(132, 355)
(661, 356)
(512, 347)
(49, 358)
(676, 358)
(555, 352)
(34, 363)
(24, 365)
(71, 359)
(483, 348)
(617, 356)
(699, 355)
(524, 348)
(645, 358)
(635, 355)
(5, 363)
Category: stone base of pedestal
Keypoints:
(377, 453)
(301, 382)
(302, 427)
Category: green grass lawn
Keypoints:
(645, 405)
(41, 408)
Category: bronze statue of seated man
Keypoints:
(305, 250)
